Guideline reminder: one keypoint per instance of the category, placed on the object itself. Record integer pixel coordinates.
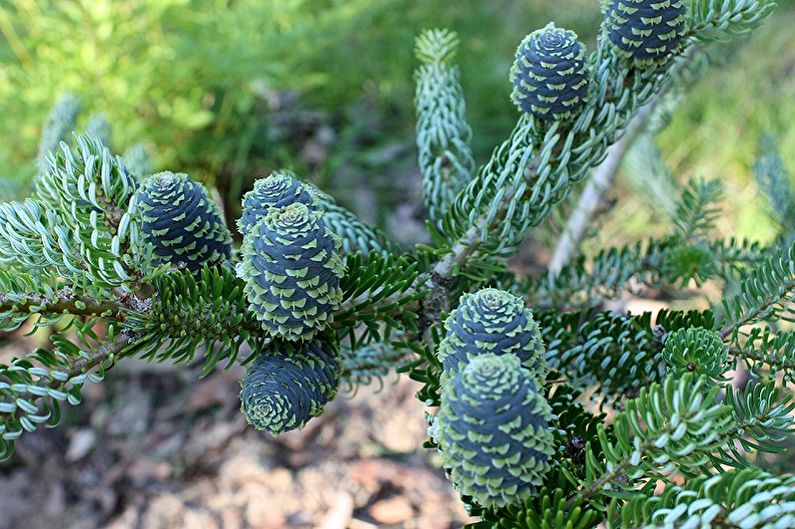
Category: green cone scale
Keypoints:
(287, 386)
(648, 31)
(695, 349)
(279, 189)
(493, 430)
(550, 75)
(180, 220)
(292, 269)
(492, 321)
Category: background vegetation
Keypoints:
(227, 90)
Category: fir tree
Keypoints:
(119, 264)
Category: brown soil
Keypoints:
(153, 447)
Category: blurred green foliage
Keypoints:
(717, 129)
(230, 89)
(199, 81)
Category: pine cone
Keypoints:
(287, 386)
(695, 349)
(550, 76)
(493, 431)
(180, 220)
(648, 31)
(292, 270)
(492, 321)
(281, 188)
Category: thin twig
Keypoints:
(592, 197)
(102, 353)
(750, 353)
(61, 303)
(99, 355)
(755, 312)
(605, 174)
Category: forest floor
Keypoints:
(152, 447)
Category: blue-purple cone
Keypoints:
(550, 76)
(292, 269)
(281, 188)
(492, 321)
(180, 220)
(648, 31)
(290, 384)
(493, 430)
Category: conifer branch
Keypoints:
(765, 350)
(750, 353)
(734, 499)
(518, 186)
(768, 292)
(592, 281)
(584, 283)
(34, 387)
(83, 364)
(682, 75)
(715, 20)
(443, 135)
(317, 296)
(591, 198)
(641, 452)
(63, 302)
(107, 350)
(692, 433)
